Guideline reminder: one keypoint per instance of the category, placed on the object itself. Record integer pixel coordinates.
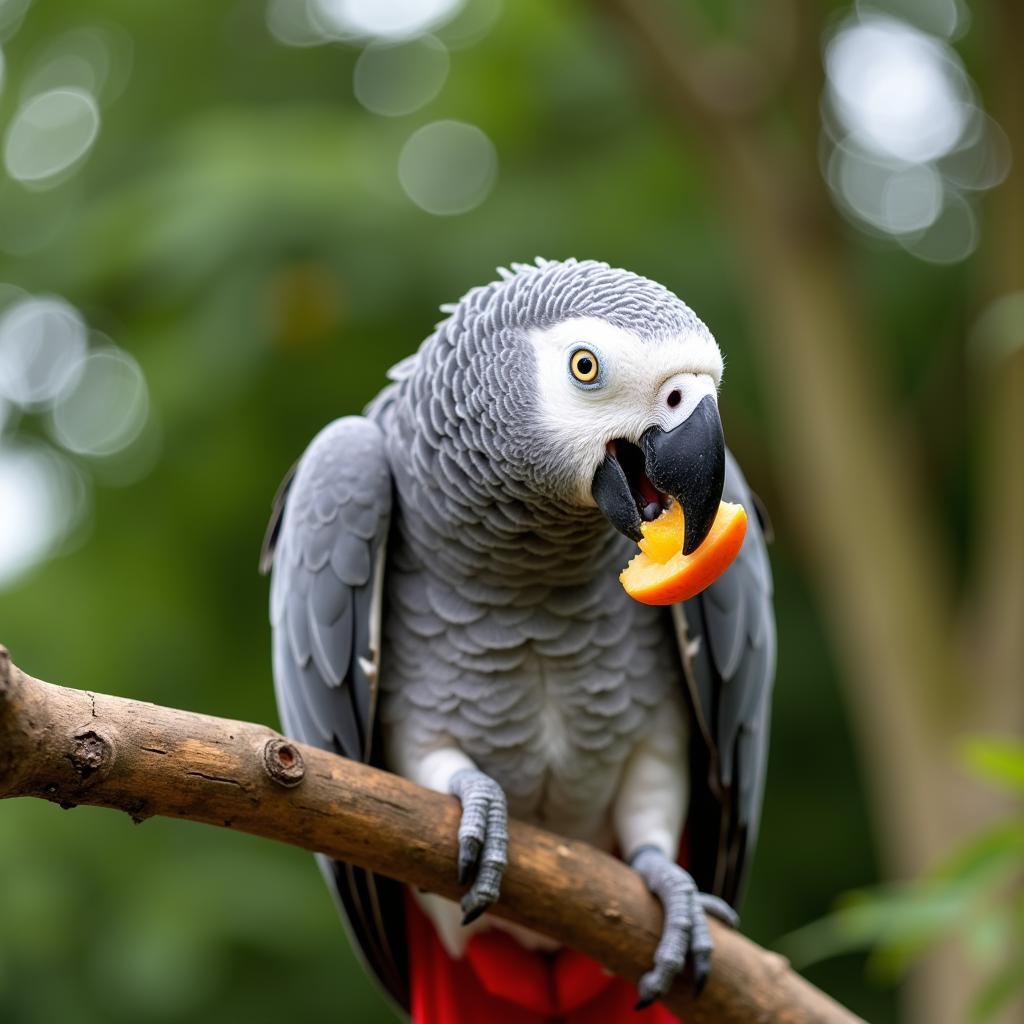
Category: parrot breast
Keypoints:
(546, 687)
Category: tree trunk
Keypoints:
(875, 546)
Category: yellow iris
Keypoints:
(584, 366)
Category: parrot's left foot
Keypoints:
(483, 839)
(685, 932)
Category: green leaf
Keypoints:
(984, 858)
(1000, 761)
(962, 895)
(903, 920)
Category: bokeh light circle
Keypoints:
(107, 408)
(448, 167)
(998, 333)
(42, 344)
(42, 498)
(9, 294)
(63, 71)
(905, 134)
(49, 134)
(912, 199)
(983, 158)
(899, 92)
(396, 79)
(946, 18)
(858, 182)
(471, 24)
(382, 19)
(291, 22)
(952, 237)
(96, 59)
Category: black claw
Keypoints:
(642, 1004)
(469, 851)
(701, 970)
(471, 915)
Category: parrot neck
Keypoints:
(565, 552)
(472, 502)
(506, 538)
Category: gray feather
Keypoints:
(733, 669)
(330, 521)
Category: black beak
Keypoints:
(687, 463)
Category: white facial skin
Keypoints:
(631, 393)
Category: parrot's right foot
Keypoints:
(483, 839)
(685, 934)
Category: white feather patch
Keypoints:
(638, 377)
(651, 804)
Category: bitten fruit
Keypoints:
(662, 574)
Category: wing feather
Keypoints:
(326, 544)
(727, 640)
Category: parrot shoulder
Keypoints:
(325, 545)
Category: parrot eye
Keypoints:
(584, 366)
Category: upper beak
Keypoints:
(686, 463)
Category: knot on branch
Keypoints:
(283, 762)
(91, 752)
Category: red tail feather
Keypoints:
(498, 981)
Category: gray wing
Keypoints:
(727, 635)
(325, 545)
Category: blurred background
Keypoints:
(219, 225)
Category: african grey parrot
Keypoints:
(445, 603)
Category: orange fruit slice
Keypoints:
(662, 574)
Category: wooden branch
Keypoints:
(74, 747)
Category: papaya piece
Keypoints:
(662, 574)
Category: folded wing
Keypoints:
(727, 640)
(325, 547)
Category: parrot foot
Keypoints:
(483, 839)
(685, 932)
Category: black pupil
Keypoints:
(584, 364)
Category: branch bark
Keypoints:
(75, 747)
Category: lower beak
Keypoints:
(686, 463)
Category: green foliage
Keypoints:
(997, 761)
(976, 895)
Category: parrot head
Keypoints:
(603, 385)
(637, 415)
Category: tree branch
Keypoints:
(73, 747)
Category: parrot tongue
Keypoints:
(624, 492)
(649, 500)
(636, 482)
